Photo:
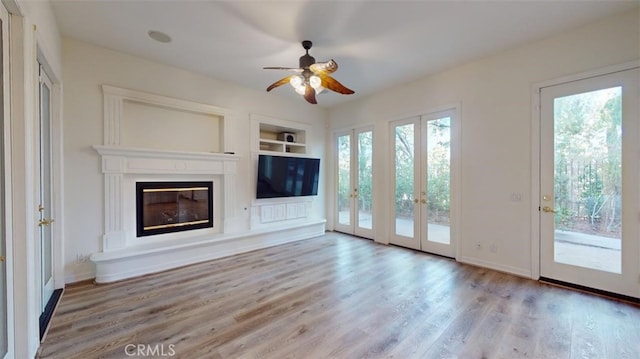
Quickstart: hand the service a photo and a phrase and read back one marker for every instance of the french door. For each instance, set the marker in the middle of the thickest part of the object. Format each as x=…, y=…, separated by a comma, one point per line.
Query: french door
x=354, y=202
x=45, y=178
x=589, y=182
x=422, y=177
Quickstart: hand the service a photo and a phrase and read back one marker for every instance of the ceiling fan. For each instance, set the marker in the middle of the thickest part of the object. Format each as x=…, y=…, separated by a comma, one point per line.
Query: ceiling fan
x=312, y=77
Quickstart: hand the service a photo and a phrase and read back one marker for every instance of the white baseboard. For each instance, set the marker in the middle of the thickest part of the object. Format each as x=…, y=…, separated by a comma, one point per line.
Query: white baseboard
x=500, y=268
x=78, y=277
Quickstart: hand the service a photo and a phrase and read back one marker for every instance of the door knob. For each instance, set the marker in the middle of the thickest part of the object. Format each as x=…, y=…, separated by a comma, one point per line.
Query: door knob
x=415, y=200
x=423, y=201
x=548, y=209
x=2, y=259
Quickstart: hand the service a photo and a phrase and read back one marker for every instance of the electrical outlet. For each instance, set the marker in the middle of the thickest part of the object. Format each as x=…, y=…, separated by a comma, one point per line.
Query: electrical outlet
x=493, y=248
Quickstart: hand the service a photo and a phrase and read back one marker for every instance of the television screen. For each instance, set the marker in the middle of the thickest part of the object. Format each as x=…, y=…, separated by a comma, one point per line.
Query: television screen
x=281, y=176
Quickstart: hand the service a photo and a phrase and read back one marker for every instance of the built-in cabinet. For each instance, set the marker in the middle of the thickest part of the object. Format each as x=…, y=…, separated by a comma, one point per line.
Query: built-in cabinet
x=278, y=137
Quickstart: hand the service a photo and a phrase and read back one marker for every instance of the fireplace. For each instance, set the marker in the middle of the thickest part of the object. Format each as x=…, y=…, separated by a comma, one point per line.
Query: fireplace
x=167, y=207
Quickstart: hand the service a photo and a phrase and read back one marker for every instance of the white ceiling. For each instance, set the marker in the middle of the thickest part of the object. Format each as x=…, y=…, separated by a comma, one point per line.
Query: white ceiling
x=377, y=44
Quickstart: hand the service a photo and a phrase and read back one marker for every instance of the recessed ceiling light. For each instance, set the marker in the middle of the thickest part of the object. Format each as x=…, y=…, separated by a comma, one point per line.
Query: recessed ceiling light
x=159, y=36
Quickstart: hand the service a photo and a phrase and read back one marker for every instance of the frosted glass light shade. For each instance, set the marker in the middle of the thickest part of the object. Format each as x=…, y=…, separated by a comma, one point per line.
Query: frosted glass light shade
x=315, y=82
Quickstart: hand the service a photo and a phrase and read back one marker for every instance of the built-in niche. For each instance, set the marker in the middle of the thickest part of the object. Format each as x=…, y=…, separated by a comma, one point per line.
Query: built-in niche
x=147, y=125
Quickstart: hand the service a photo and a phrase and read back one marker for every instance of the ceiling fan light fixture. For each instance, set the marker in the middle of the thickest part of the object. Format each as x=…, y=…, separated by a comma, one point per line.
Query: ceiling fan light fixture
x=315, y=82
x=300, y=90
x=311, y=77
x=296, y=81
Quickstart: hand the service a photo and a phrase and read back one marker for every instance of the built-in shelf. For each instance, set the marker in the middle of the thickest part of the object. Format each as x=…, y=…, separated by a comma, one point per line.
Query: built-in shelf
x=282, y=146
x=280, y=136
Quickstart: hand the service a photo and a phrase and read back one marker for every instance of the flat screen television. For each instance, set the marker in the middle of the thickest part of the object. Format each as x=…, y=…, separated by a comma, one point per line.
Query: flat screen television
x=283, y=176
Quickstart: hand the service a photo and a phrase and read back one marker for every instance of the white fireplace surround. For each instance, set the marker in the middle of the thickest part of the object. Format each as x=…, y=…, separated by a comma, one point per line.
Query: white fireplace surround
x=122, y=167
x=123, y=254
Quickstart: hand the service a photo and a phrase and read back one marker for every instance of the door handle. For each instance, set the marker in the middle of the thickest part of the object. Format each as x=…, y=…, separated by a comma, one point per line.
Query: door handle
x=45, y=222
x=423, y=201
x=2, y=259
x=548, y=209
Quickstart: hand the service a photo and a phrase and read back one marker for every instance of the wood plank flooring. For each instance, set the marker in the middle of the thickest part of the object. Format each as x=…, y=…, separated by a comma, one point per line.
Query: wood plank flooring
x=338, y=296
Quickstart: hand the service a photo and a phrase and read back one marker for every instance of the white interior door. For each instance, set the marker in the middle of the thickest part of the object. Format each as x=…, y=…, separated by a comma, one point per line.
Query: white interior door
x=354, y=202
x=45, y=243
x=422, y=183
x=4, y=119
x=589, y=182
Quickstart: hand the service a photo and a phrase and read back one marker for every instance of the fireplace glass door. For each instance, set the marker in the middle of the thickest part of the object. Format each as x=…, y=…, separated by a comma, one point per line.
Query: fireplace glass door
x=166, y=207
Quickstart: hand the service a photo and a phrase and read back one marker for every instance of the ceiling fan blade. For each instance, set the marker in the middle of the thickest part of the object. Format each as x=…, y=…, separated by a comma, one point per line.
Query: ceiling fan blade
x=294, y=69
x=324, y=67
x=282, y=81
x=310, y=94
x=333, y=85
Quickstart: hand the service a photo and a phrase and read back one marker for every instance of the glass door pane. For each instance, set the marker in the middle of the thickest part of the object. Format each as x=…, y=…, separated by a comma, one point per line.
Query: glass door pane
x=588, y=179
x=45, y=182
x=438, y=193
x=365, y=179
x=344, y=180
x=404, y=180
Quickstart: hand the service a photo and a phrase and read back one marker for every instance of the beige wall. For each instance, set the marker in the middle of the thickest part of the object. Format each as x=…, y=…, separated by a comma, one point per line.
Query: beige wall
x=494, y=95
x=86, y=67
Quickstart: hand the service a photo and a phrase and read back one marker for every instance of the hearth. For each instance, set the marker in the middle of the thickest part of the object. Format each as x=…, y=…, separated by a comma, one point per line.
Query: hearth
x=167, y=207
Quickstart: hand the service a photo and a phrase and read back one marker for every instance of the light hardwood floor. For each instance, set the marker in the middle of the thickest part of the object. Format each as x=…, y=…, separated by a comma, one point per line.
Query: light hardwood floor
x=338, y=296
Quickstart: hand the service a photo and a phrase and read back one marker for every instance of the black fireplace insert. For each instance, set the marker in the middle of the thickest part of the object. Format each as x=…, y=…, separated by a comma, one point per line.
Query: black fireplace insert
x=167, y=207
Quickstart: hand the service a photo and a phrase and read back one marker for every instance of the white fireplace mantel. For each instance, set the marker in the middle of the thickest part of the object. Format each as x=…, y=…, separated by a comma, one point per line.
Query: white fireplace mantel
x=121, y=160
x=118, y=162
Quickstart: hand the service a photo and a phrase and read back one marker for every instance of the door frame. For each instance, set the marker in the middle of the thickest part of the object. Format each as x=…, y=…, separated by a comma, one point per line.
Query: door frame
x=45, y=289
x=6, y=198
x=57, y=166
x=536, y=119
x=56, y=151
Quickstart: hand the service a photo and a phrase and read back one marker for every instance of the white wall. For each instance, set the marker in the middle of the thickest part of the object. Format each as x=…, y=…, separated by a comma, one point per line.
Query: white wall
x=86, y=67
x=41, y=15
x=494, y=94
